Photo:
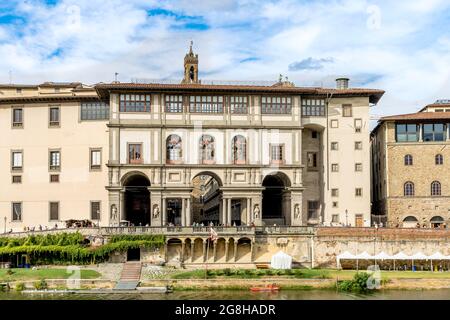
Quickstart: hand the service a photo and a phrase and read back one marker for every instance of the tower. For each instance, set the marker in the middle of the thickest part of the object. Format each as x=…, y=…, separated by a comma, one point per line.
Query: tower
x=190, y=67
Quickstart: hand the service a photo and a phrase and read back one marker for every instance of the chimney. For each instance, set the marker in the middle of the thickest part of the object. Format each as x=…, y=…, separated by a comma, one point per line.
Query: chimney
x=342, y=83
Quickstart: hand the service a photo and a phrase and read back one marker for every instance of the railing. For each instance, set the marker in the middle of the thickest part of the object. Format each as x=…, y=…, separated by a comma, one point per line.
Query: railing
x=285, y=230
x=176, y=230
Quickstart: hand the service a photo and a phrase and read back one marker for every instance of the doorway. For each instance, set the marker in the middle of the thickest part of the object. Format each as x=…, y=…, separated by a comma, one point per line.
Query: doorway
x=134, y=254
x=137, y=200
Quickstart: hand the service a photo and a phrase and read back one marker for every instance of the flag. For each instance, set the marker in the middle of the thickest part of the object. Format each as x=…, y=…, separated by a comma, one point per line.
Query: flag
x=213, y=234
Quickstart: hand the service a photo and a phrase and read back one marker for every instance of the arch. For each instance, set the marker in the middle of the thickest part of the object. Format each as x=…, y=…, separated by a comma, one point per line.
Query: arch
x=408, y=160
x=239, y=149
x=132, y=174
x=244, y=249
x=276, y=198
x=137, y=198
x=174, y=150
x=198, y=249
x=439, y=159
x=206, y=199
x=207, y=149
x=410, y=222
x=408, y=189
x=435, y=188
x=436, y=221
x=410, y=219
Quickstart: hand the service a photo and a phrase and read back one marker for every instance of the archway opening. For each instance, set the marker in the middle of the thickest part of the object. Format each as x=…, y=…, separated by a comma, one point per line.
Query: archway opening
x=437, y=222
x=206, y=198
x=410, y=222
x=174, y=207
x=137, y=200
x=275, y=199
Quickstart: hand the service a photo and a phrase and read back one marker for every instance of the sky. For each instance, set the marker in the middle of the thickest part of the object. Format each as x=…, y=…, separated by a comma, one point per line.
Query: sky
x=402, y=47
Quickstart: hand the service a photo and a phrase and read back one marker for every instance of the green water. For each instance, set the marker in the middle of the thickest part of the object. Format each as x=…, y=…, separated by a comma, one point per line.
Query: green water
x=441, y=294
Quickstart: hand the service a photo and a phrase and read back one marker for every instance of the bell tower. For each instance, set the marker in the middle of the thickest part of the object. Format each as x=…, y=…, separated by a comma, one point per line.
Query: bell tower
x=190, y=67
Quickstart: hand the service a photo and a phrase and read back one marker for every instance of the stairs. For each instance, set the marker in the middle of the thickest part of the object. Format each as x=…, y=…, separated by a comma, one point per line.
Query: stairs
x=130, y=277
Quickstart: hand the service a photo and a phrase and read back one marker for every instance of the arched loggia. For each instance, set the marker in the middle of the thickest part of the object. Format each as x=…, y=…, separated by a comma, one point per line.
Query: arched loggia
x=137, y=200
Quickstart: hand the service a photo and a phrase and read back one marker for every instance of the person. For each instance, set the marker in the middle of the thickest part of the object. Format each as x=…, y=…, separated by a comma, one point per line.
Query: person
x=381, y=224
x=40, y=228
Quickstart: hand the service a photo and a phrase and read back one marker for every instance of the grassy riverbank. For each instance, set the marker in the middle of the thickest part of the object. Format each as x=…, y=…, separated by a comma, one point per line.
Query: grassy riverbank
x=7, y=275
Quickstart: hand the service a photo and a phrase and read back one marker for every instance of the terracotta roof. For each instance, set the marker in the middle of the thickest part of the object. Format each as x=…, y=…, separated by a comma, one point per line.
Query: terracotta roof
x=418, y=116
x=104, y=89
x=436, y=105
x=55, y=98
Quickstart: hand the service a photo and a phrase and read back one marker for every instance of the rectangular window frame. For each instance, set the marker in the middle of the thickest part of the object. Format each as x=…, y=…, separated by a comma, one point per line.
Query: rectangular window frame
x=313, y=211
x=334, y=123
x=358, y=167
x=54, y=123
x=315, y=161
x=277, y=105
x=358, y=192
x=313, y=107
x=335, y=192
x=358, y=122
x=93, y=167
x=347, y=110
x=99, y=209
x=94, y=111
x=54, y=168
x=206, y=104
x=16, y=168
x=16, y=176
x=129, y=104
x=238, y=104
x=434, y=132
x=134, y=161
x=50, y=203
x=409, y=134
x=12, y=211
x=53, y=175
x=174, y=103
x=333, y=166
x=280, y=152
x=358, y=145
x=334, y=146
x=17, y=124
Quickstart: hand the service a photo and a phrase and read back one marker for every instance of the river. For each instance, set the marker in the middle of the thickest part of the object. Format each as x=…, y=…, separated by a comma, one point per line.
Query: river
x=439, y=294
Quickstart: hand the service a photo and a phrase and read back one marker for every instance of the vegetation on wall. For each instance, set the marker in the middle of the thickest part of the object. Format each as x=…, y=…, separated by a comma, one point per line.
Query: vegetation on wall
x=64, y=248
x=357, y=285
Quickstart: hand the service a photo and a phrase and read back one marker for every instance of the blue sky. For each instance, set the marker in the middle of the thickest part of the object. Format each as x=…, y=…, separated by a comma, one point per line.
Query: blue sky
x=402, y=47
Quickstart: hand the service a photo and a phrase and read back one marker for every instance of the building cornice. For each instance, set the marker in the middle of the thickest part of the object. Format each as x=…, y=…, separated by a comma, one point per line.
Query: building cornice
x=47, y=98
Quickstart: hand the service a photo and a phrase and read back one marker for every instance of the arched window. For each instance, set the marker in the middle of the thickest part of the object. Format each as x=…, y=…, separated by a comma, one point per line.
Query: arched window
x=174, y=149
x=207, y=149
x=408, y=189
x=408, y=160
x=435, y=188
x=439, y=159
x=239, y=149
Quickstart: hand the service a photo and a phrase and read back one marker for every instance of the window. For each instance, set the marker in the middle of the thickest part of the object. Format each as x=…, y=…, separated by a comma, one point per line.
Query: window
x=313, y=210
x=16, y=179
x=439, y=110
x=207, y=149
x=276, y=153
x=313, y=107
x=55, y=160
x=95, y=210
x=206, y=104
x=173, y=149
x=439, y=159
x=54, y=117
x=334, y=123
x=19, y=90
x=335, y=218
x=54, y=178
x=334, y=167
x=238, y=104
x=347, y=110
x=16, y=160
x=134, y=102
x=174, y=103
x=135, y=153
x=54, y=211
x=95, y=159
x=358, y=125
x=358, y=166
x=335, y=204
x=358, y=145
x=17, y=117
x=334, y=146
x=406, y=132
x=276, y=105
x=408, y=160
x=435, y=188
x=358, y=192
x=312, y=160
x=314, y=135
x=94, y=111
x=408, y=189
x=434, y=132
x=16, y=211
x=334, y=192
x=239, y=149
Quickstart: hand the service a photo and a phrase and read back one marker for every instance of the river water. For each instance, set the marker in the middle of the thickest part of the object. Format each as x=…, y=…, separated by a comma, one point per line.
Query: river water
x=440, y=294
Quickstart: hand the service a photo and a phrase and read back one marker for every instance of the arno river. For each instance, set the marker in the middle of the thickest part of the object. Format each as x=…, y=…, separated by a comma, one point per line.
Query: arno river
x=440, y=294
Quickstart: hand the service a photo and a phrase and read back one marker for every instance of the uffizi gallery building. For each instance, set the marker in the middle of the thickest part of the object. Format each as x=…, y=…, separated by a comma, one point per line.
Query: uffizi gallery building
x=157, y=154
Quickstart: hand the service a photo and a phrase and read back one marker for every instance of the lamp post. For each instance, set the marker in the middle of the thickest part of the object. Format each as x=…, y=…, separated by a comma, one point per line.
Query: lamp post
x=346, y=217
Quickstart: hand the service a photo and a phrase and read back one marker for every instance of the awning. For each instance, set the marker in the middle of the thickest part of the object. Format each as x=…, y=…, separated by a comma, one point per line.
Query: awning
x=281, y=260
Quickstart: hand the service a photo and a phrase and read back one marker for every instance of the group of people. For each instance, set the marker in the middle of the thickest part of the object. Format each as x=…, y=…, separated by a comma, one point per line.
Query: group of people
x=39, y=228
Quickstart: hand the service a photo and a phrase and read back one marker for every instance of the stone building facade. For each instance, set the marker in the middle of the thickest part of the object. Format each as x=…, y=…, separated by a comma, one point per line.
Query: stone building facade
x=410, y=172
x=278, y=154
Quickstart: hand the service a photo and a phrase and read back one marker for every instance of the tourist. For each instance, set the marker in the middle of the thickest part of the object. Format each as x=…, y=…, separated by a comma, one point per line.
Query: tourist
x=40, y=228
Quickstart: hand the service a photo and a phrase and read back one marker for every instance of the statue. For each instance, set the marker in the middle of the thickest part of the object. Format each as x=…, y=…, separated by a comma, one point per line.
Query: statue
x=113, y=212
x=155, y=211
x=256, y=211
x=297, y=211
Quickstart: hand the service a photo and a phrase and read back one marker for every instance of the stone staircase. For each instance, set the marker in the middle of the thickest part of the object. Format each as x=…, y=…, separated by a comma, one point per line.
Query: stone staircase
x=130, y=277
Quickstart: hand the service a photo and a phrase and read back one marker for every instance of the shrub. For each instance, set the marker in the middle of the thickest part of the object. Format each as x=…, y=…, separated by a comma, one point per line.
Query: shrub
x=41, y=285
x=357, y=285
x=9, y=272
x=20, y=286
x=227, y=272
x=288, y=272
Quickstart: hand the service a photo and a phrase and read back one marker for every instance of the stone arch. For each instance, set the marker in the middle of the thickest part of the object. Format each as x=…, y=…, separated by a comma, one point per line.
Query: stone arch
x=244, y=249
x=436, y=221
x=174, y=246
x=136, y=198
x=206, y=195
x=131, y=174
x=276, y=200
x=220, y=249
x=410, y=222
x=174, y=149
x=198, y=250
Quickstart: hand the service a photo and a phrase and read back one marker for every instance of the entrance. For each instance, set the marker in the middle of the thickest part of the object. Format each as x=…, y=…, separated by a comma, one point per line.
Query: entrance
x=134, y=254
x=274, y=199
x=137, y=200
x=206, y=199
x=174, y=211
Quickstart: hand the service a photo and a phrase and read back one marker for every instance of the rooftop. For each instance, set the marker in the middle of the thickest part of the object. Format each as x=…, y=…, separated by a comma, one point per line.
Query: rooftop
x=418, y=116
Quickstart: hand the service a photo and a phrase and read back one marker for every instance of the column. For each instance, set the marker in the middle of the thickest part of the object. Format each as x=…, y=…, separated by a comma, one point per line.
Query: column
x=183, y=213
x=229, y=212
x=192, y=250
x=122, y=205
x=164, y=212
x=248, y=210
x=227, y=242
x=188, y=212
x=204, y=250
x=251, y=251
x=182, y=250
x=235, y=249
x=224, y=210
x=214, y=250
x=165, y=252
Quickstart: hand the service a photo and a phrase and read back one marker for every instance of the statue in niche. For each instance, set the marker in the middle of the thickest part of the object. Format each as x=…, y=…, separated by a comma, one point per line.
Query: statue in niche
x=113, y=212
x=155, y=211
x=256, y=211
x=297, y=211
